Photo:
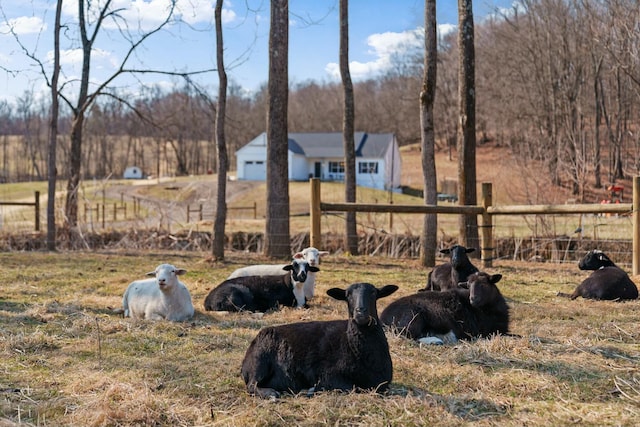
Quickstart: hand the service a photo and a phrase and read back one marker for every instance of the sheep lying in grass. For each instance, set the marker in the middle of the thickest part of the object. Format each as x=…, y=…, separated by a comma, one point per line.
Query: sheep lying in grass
x=607, y=282
x=310, y=254
x=479, y=310
x=163, y=297
x=262, y=293
x=330, y=355
x=448, y=275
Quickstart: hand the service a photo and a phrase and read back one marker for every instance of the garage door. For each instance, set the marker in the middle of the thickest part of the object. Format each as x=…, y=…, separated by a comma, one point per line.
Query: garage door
x=255, y=171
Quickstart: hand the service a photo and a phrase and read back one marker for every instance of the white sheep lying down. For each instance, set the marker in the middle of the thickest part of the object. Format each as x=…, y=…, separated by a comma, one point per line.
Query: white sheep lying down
x=163, y=297
x=310, y=254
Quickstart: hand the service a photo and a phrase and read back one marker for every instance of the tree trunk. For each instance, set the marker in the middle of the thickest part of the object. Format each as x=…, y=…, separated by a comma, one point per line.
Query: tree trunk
x=427, y=101
x=597, y=161
x=75, y=160
x=348, y=128
x=277, y=238
x=467, y=195
x=221, y=202
x=53, y=134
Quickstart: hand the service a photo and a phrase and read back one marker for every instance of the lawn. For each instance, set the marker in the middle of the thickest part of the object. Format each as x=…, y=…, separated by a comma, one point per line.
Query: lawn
x=65, y=359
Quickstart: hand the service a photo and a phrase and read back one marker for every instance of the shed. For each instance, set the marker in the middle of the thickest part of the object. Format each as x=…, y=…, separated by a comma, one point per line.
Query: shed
x=133, y=172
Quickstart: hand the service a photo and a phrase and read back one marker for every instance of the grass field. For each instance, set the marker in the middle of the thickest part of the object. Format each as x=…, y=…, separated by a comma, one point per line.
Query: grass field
x=66, y=360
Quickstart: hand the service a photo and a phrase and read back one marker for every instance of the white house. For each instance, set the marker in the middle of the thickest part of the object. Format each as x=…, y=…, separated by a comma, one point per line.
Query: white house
x=321, y=155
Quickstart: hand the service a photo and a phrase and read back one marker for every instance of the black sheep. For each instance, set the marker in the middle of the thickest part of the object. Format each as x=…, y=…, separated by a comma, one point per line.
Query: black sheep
x=478, y=311
x=262, y=293
x=342, y=355
x=448, y=275
x=607, y=282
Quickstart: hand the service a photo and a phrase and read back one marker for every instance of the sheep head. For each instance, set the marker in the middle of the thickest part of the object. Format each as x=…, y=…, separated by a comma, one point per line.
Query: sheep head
x=594, y=260
x=482, y=288
x=458, y=254
x=299, y=269
x=166, y=274
x=361, y=301
x=311, y=255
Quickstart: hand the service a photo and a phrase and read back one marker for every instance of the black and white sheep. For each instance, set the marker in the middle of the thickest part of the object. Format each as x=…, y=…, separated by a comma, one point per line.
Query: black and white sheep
x=310, y=254
x=163, y=297
x=448, y=275
x=262, y=293
x=607, y=282
x=342, y=355
x=476, y=310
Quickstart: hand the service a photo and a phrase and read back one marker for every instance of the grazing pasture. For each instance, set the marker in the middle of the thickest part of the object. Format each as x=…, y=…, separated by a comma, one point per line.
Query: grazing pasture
x=65, y=359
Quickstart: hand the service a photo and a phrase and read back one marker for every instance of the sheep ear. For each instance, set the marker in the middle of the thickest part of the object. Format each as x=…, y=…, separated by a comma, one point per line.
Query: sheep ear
x=469, y=250
x=314, y=269
x=445, y=251
x=337, y=293
x=495, y=278
x=463, y=285
x=288, y=267
x=323, y=253
x=151, y=273
x=298, y=255
x=180, y=271
x=386, y=290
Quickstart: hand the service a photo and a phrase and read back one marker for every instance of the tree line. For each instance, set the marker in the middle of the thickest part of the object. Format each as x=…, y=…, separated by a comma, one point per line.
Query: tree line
x=556, y=81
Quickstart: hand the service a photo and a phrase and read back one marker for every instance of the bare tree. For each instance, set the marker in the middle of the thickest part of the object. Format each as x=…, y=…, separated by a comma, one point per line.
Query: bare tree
x=467, y=195
x=277, y=237
x=88, y=36
x=348, y=129
x=427, y=101
x=221, y=201
x=53, y=134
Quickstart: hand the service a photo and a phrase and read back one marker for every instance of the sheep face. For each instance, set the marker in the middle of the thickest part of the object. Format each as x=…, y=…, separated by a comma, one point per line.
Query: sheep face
x=166, y=274
x=595, y=260
x=361, y=301
x=300, y=269
x=458, y=255
x=482, y=288
x=311, y=255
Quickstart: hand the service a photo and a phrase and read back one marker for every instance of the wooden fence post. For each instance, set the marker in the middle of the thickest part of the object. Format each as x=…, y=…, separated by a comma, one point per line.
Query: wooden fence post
x=486, y=226
x=37, y=203
x=315, y=214
x=636, y=226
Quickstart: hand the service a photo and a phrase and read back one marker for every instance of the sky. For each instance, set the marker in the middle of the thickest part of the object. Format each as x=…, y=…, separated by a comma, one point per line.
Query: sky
x=377, y=30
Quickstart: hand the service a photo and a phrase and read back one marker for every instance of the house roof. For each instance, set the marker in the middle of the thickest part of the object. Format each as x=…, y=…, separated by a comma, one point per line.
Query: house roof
x=330, y=145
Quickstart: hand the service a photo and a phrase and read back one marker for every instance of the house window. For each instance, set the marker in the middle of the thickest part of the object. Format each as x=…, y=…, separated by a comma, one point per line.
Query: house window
x=368, y=167
x=336, y=167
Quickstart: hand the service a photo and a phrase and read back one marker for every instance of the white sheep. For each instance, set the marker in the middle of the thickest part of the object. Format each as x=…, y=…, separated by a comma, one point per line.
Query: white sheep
x=163, y=297
x=310, y=254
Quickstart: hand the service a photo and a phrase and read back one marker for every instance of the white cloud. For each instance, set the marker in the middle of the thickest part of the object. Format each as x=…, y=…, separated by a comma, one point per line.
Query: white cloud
x=23, y=25
x=444, y=29
x=383, y=47
x=73, y=57
x=196, y=11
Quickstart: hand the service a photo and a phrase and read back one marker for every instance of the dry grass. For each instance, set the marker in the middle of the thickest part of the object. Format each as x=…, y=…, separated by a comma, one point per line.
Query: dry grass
x=65, y=360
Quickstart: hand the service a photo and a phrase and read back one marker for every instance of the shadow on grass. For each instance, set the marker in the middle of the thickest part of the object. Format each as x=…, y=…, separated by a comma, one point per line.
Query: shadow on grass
x=465, y=408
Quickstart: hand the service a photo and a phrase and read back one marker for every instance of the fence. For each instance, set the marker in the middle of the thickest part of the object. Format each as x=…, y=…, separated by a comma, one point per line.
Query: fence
x=485, y=210
x=35, y=204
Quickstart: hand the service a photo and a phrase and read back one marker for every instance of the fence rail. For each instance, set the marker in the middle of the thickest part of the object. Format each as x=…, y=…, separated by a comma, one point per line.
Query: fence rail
x=485, y=210
x=35, y=204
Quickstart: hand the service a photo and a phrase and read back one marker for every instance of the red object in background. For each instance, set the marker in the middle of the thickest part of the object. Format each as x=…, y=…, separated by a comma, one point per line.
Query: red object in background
x=616, y=191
